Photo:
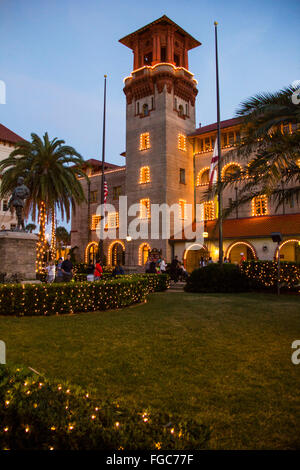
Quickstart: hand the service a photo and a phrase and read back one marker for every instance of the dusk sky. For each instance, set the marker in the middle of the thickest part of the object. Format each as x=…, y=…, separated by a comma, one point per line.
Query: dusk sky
x=54, y=54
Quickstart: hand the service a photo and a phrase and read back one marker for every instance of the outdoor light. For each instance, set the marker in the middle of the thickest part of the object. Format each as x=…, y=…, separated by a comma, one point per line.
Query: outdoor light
x=277, y=238
x=128, y=238
x=205, y=234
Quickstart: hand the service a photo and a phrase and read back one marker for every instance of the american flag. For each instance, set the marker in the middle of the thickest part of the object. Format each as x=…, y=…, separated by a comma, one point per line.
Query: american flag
x=214, y=165
x=105, y=188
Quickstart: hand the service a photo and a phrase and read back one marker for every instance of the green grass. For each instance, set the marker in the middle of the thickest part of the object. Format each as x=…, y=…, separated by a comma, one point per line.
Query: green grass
x=225, y=359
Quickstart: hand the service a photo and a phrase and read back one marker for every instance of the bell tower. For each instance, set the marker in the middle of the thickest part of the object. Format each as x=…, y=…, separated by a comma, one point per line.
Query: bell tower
x=160, y=113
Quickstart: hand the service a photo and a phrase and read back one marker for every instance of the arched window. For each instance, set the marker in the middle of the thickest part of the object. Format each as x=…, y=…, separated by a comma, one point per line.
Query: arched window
x=231, y=170
x=203, y=177
x=143, y=253
x=145, y=175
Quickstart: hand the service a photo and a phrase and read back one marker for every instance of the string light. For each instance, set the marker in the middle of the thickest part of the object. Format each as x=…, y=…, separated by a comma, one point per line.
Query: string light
x=41, y=244
x=144, y=141
x=144, y=175
x=182, y=142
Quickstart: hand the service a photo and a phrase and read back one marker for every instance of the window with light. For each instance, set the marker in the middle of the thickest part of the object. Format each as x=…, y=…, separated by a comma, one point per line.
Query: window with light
x=145, y=141
x=182, y=142
x=145, y=208
x=145, y=175
x=259, y=206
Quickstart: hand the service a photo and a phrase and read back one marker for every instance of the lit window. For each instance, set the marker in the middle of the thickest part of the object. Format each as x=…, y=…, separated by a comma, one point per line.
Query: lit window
x=94, y=195
x=182, y=209
x=145, y=141
x=145, y=175
x=145, y=208
x=182, y=142
x=95, y=221
x=231, y=170
x=209, y=210
x=203, y=177
x=112, y=220
x=259, y=205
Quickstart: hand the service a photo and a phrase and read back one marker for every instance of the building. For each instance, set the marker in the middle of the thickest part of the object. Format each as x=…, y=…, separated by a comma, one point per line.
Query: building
x=167, y=162
x=8, y=139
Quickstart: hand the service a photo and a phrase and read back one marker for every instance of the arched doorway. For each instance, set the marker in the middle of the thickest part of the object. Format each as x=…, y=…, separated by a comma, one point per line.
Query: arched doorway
x=233, y=252
x=116, y=253
x=289, y=251
x=192, y=256
x=143, y=253
x=91, y=253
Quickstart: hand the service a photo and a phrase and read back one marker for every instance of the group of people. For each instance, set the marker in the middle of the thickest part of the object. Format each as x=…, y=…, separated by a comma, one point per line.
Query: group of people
x=158, y=266
x=177, y=270
x=63, y=272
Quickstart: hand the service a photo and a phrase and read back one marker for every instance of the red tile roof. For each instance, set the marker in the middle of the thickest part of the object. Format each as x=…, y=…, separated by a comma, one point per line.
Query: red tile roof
x=98, y=164
x=255, y=227
x=213, y=127
x=251, y=227
x=9, y=136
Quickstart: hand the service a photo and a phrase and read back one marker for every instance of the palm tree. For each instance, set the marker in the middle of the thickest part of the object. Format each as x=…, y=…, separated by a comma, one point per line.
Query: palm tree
x=270, y=129
x=51, y=170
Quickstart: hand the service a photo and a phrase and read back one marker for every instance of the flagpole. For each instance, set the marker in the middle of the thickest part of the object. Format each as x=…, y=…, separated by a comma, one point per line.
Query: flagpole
x=220, y=208
x=100, y=245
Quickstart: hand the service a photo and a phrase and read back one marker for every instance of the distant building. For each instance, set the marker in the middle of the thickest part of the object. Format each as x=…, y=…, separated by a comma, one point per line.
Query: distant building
x=167, y=161
x=8, y=140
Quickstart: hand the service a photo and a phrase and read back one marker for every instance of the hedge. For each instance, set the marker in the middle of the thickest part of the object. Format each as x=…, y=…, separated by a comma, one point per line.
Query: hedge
x=217, y=278
x=41, y=414
x=263, y=274
x=72, y=297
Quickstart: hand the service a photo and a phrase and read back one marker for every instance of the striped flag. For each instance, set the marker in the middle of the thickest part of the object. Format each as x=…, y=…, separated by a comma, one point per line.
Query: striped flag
x=105, y=190
x=214, y=165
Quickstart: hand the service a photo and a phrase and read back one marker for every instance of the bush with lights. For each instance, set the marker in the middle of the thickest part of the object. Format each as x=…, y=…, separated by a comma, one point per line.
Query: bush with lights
x=71, y=297
x=41, y=414
x=217, y=278
x=264, y=274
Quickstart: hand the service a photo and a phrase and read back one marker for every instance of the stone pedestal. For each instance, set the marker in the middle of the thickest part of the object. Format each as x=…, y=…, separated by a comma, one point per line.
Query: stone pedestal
x=18, y=253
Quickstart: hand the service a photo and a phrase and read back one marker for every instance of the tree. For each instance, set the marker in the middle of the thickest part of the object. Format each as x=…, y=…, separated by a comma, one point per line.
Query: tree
x=51, y=170
x=270, y=131
x=30, y=227
x=62, y=235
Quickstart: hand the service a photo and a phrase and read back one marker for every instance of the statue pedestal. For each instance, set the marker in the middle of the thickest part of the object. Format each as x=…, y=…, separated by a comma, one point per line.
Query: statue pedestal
x=18, y=253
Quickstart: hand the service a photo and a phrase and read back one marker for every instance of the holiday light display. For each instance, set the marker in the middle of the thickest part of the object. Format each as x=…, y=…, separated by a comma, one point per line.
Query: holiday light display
x=145, y=141
x=41, y=244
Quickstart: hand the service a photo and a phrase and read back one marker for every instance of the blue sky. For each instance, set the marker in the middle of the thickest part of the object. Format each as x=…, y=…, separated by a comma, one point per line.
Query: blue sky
x=54, y=55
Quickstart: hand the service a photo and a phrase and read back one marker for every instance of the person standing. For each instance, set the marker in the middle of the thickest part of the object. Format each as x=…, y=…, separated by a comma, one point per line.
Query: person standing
x=163, y=266
x=67, y=269
x=90, y=272
x=98, y=271
x=51, y=272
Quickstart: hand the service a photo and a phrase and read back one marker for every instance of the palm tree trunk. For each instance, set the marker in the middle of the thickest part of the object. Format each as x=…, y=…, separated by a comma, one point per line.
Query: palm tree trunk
x=53, y=236
x=41, y=244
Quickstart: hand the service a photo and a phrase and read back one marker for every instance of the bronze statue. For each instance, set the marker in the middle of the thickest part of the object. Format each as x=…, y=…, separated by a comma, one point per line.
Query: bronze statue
x=17, y=201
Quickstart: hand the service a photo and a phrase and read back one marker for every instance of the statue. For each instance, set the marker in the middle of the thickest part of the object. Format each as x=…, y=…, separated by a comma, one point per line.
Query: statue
x=17, y=201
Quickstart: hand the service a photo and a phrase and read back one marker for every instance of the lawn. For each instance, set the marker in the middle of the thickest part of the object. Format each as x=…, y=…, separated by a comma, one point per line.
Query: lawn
x=223, y=359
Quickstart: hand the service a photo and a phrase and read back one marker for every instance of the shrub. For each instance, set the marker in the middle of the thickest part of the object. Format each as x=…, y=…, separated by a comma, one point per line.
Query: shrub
x=263, y=274
x=71, y=297
x=43, y=414
x=217, y=278
x=74, y=297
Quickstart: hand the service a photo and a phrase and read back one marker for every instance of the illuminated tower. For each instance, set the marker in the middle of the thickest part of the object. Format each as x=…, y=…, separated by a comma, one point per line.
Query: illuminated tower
x=160, y=112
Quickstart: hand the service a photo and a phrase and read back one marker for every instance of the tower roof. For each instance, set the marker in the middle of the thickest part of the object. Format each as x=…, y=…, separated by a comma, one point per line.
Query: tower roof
x=163, y=20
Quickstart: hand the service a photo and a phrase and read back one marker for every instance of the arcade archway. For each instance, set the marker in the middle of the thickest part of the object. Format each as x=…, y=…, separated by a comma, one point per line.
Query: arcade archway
x=289, y=250
x=233, y=252
x=193, y=255
x=116, y=253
